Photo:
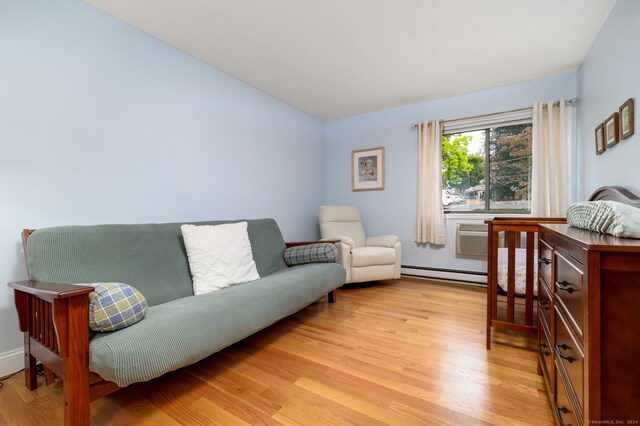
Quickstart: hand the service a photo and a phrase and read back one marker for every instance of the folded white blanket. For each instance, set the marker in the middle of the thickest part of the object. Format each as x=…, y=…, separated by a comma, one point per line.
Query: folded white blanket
x=607, y=217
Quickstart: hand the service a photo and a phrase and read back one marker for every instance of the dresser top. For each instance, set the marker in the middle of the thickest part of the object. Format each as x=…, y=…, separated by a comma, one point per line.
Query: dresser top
x=593, y=240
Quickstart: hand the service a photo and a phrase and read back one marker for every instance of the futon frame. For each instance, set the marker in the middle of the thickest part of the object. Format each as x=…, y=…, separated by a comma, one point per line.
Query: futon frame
x=55, y=321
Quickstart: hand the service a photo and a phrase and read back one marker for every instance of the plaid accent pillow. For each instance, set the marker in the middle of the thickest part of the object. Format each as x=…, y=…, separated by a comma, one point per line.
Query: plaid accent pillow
x=113, y=306
x=310, y=253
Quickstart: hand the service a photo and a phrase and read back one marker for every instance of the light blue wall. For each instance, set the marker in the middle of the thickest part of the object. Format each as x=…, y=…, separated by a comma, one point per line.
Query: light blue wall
x=393, y=211
x=608, y=76
x=101, y=123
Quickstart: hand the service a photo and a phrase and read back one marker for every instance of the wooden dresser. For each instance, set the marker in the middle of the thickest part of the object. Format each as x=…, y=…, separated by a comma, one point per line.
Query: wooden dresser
x=589, y=325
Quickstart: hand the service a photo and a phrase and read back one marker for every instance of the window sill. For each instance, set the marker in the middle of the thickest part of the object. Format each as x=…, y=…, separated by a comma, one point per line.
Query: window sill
x=482, y=216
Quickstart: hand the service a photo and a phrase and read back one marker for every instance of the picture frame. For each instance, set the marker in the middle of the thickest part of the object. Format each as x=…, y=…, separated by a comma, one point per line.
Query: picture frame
x=612, y=130
x=626, y=119
x=600, y=145
x=367, y=169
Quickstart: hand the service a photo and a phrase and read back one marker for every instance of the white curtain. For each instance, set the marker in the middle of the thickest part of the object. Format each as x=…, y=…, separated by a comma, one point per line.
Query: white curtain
x=552, y=159
x=430, y=223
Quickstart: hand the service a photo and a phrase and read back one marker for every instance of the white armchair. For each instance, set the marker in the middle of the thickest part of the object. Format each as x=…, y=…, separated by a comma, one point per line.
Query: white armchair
x=365, y=259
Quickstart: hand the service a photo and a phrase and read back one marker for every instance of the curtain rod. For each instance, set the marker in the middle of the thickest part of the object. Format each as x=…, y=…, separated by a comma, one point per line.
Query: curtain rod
x=568, y=102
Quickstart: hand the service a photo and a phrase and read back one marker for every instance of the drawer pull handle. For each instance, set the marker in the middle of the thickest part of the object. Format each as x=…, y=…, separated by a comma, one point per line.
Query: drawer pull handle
x=564, y=286
x=564, y=347
x=545, y=260
x=565, y=411
x=544, y=305
x=541, y=347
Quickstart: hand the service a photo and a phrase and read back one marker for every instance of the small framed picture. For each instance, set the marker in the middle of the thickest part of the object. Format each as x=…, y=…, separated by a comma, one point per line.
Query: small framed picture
x=611, y=130
x=367, y=169
x=626, y=119
x=600, y=146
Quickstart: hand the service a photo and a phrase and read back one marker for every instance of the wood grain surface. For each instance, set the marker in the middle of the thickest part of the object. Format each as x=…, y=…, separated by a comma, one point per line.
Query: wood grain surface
x=405, y=352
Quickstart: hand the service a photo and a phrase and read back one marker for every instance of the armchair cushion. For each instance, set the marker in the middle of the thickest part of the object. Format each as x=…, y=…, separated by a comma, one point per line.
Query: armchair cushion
x=342, y=220
x=383, y=241
x=310, y=253
x=369, y=256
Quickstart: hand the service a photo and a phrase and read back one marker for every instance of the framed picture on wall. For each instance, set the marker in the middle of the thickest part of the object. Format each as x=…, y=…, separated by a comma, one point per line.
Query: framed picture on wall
x=600, y=147
x=611, y=130
x=367, y=169
x=626, y=119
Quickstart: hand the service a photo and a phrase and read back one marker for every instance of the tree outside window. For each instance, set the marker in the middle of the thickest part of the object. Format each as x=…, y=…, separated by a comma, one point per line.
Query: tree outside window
x=500, y=156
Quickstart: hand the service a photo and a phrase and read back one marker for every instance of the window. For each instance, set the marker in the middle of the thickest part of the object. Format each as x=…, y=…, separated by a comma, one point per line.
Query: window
x=487, y=169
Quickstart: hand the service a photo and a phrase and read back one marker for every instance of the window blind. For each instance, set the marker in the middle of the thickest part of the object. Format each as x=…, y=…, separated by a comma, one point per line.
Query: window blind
x=509, y=118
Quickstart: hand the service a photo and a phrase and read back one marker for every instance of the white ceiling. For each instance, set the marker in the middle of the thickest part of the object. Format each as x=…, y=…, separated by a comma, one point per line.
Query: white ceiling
x=338, y=58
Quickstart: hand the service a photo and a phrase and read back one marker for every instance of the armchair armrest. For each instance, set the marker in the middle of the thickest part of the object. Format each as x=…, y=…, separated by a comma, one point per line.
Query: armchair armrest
x=383, y=241
x=341, y=238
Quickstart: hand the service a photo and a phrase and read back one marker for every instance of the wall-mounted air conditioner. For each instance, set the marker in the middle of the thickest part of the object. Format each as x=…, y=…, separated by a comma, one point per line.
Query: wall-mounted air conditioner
x=471, y=239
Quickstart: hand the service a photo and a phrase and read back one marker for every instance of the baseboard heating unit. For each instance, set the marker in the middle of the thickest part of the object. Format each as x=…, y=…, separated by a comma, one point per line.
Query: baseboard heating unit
x=471, y=277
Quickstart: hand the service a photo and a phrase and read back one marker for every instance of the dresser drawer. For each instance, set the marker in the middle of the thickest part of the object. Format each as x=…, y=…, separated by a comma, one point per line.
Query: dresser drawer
x=569, y=357
x=544, y=304
x=544, y=260
x=545, y=353
x=563, y=410
x=568, y=288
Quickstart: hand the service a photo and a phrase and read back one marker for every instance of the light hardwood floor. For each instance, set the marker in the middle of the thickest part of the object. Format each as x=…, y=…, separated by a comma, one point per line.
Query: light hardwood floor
x=403, y=352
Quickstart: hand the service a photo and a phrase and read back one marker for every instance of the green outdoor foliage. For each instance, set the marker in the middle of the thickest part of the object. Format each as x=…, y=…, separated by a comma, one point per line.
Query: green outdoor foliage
x=510, y=166
x=460, y=170
x=476, y=176
x=510, y=163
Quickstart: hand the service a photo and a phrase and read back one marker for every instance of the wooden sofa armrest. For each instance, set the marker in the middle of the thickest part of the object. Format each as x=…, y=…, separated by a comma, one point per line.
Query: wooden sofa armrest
x=305, y=243
x=55, y=322
x=39, y=302
x=50, y=291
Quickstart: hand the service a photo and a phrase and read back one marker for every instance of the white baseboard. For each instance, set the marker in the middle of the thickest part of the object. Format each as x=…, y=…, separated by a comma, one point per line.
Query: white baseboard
x=11, y=362
x=460, y=276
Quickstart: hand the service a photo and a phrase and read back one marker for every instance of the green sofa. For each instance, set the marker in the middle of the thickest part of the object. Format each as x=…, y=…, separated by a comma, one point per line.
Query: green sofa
x=179, y=328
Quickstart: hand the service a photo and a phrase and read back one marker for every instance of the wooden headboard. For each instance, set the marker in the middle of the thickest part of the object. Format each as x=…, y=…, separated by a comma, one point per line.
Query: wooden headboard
x=616, y=193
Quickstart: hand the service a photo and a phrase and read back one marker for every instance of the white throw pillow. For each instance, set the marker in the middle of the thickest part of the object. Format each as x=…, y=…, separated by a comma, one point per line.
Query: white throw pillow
x=219, y=256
